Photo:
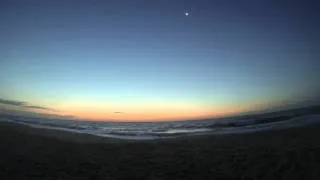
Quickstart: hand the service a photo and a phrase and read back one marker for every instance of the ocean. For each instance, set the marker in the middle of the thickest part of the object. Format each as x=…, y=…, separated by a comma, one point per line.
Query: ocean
x=160, y=130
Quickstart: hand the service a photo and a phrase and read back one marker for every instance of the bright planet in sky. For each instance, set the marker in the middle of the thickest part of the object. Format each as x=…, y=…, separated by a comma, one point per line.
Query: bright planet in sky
x=186, y=13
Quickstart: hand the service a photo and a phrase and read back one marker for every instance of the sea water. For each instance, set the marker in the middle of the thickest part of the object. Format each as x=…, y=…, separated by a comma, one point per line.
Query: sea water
x=160, y=130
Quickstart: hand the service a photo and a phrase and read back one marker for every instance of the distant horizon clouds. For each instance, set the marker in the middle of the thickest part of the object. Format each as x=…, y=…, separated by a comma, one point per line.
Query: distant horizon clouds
x=24, y=104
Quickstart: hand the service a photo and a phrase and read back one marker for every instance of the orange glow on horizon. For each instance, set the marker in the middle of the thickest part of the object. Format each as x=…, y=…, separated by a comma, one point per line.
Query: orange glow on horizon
x=151, y=114
x=145, y=111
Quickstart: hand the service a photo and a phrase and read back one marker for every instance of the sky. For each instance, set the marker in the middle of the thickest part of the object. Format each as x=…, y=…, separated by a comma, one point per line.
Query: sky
x=145, y=60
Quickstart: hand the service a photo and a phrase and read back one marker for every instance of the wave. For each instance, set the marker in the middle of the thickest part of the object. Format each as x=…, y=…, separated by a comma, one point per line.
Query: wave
x=151, y=131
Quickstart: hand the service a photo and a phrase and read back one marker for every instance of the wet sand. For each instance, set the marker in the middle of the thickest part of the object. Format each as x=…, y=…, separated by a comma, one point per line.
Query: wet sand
x=30, y=153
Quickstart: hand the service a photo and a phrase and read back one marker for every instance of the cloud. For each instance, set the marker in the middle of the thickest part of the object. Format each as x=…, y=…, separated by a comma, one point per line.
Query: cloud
x=13, y=103
x=118, y=112
x=23, y=104
x=39, y=107
x=4, y=111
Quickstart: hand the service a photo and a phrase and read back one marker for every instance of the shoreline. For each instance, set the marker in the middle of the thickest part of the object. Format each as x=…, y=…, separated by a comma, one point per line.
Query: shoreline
x=33, y=153
x=77, y=136
x=273, y=126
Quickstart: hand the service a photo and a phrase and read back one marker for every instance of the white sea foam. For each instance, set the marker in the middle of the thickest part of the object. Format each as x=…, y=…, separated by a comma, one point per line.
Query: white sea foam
x=150, y=131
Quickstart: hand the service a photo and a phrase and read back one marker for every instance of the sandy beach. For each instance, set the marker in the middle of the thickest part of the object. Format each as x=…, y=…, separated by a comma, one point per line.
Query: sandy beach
x=30, y=153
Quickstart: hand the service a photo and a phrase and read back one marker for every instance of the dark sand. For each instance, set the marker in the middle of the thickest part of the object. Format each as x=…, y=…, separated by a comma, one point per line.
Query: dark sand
x=29, y=153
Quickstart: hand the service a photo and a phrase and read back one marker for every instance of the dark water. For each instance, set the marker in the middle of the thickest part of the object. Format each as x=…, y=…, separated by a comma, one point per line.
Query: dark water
x=155, y=130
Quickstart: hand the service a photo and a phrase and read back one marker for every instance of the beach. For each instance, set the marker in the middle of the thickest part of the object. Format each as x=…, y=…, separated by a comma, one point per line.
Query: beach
x=33, y=153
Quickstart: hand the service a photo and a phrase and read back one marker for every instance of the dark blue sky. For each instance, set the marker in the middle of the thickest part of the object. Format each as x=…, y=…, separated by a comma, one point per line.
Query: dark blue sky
x=145, y=57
